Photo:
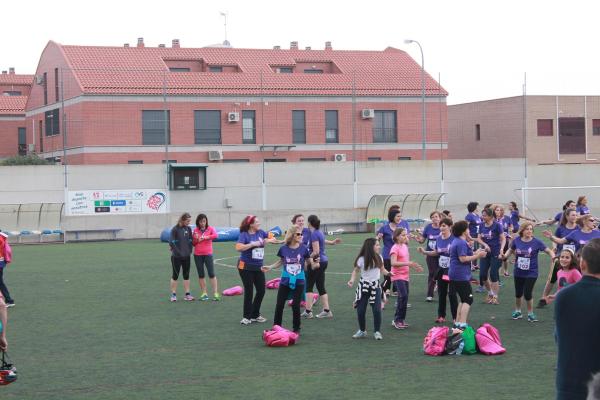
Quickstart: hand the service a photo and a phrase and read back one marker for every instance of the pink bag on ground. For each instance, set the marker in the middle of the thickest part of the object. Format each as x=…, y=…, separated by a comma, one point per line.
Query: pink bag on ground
x=233, y=291
x=303, y=303
x=273, y=283
x=488, y=340
x=434, y=343
x=279, y=337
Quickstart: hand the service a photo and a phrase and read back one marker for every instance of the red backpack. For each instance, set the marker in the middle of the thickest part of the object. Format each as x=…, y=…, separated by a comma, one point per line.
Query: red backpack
x=434, y=343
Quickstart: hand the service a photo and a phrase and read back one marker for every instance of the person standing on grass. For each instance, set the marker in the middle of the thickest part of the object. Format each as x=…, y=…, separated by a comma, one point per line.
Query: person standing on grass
x=181, y=249
x=442, y=251
x=3, y=263
x=459, y=271
x=581, y=206
x=369, y=264
x=568, y=224
x=203, y=237
x=505, y=222
x=491, y=237
x=429, y=236
x=401, y=264
x=516, y=217
x=577, y=333
x=316, y=275
x=526, y=248
x=568, y=273
x=569, y=205
x=295, y=258
x=386, y=232
x=251, y=245
x=578, y=237
x=474, y=220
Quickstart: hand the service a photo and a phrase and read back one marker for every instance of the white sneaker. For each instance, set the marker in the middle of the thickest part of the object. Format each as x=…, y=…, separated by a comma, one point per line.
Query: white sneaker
x=324, y=314
x=378, y=336
x=359, y=334
x=429, y=299
x=245, y=321
x=307, y=315
x=260, y=319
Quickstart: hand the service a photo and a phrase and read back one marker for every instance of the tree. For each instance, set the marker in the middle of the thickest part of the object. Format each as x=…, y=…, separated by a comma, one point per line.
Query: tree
x=30, y=159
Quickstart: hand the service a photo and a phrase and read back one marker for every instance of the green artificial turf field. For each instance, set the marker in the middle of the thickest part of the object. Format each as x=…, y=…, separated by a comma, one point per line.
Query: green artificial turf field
x=94, y=321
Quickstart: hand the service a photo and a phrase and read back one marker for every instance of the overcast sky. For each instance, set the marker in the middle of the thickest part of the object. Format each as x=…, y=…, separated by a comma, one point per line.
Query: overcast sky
x=481, y=49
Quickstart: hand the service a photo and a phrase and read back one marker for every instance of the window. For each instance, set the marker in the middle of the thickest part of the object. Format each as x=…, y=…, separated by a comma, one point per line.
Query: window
x=404, y=158
x=545, y=127
x=207, y=127
x=170, y=161
x=215, y=69
x=56, y=91
x=331, y=126
x=41, y=134
x=45, y=88
x=135, y=162
x=275, y=160
x=477, y=132
x=13, y=93
x=156, y=124
x=313, y=159
x=52, y=122
x=374, y=159
x=187, y=177
x=236, y=160
x=596, y=127
x=249, y=127
x=298, y=126
x=179, y=69
x=285, y=70
x=313, y=71
x=384, y=127
x=22, y=132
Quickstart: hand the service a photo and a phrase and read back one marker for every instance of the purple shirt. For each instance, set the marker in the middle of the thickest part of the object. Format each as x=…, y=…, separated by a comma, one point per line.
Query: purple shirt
x=459, y=271
x=252, y=259
x=293, y=264
x=306, y=237
x=430, y=234
x=561, y=232
x=317, y=236
x=583, y=210
x=505, y=223
x=526, y=256
x=580, y=238
x=387, y=234
x=558, y=216
x=474, y=221
x=514, y=220
x=491, y=236
x=442, y=247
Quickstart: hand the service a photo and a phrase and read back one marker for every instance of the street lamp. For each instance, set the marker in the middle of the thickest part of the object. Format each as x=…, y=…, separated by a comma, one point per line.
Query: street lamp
x=423, y=126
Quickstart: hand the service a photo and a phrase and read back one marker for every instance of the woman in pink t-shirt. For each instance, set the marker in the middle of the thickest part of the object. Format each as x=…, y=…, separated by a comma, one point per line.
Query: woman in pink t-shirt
x=568, y=273
x=202, y=239
x=401, y=264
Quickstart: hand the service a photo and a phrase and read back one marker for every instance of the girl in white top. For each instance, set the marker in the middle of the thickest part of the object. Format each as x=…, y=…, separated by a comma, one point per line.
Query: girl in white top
x=369, y=264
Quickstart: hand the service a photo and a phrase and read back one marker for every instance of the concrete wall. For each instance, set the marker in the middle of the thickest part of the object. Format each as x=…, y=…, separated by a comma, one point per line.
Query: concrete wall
x=323, y=188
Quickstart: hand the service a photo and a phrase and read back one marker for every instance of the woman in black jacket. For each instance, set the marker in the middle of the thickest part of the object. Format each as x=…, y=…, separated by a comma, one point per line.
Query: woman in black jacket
x=180, y=243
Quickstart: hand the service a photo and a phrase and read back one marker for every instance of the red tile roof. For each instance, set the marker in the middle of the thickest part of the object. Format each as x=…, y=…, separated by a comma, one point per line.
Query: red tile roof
x=12, y=105
x=16, y=79
x=133, y=70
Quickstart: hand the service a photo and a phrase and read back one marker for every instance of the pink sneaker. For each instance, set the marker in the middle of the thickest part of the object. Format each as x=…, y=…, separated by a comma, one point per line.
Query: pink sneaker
x=189, y=297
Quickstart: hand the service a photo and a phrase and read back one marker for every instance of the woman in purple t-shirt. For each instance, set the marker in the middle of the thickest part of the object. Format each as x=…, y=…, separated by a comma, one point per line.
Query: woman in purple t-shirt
x=569, y=205
x=507, y=226
x=386, y=232
x=578, y=238
x=428, y=236
x=582, y=208
x=491, y=237
x=526, y=249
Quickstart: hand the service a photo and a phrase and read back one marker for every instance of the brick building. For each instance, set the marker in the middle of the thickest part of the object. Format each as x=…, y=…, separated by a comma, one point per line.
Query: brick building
x=14, y=89
x=547, y=129
x=121, y=104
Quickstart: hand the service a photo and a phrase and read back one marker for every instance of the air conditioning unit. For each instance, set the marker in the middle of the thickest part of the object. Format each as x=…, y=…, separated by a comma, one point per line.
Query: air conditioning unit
x=367, y=113
x=30, y=147
x=233, y=117
x=339, y=157
x=215, y=155
x=39, y=79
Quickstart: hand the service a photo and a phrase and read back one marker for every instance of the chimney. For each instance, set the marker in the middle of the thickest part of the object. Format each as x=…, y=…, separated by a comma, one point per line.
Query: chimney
x=4, y=72
x=276, y=47
x=308, y=48
x=293, y=45
x=162, y=45
x=126, y=45
x=328, y=46
x=140, y=42
x=175, y=43
x=11, y=70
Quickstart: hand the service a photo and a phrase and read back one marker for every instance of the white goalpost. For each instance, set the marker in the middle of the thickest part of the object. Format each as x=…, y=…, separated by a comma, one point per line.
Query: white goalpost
x=543, y=201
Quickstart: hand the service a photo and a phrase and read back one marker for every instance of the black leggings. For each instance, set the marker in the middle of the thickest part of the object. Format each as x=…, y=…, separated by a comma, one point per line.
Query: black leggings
x=443, y=293
x=179, y=263
x=201, y=261
x=250, y=279
x=432, y=267
x=3, y=288
x=463, y=290
x=387, y=280
x=524, y=286
x=282, y=296
x=316, y=276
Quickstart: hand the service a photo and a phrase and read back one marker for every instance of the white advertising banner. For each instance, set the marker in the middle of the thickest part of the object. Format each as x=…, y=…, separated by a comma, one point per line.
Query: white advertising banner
x=110, y=202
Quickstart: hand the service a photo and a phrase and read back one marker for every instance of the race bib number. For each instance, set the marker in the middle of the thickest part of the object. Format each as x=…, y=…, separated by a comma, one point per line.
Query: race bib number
x=523, y=263
x=258, y=253
x=569, y=247
x=444, y=262
x=431, y=244
x=293, y=269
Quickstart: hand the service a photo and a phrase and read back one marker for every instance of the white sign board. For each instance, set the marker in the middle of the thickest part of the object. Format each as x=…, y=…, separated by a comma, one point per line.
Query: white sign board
x=110, y=202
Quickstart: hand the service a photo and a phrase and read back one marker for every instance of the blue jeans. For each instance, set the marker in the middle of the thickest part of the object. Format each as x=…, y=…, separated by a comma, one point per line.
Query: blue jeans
x=361, y=310
x=490, y=264
x=402, y=302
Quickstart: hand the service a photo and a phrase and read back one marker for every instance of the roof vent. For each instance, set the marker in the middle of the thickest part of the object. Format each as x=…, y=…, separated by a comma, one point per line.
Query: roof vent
x=328, y=46
x=293, y=45
x=308, y=48
x=162, y=45
x=175, y=43
x=11, y=70
x=140, y=42
x=126, y=45
x=4, y=72
x=276, y=47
